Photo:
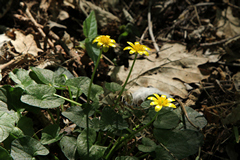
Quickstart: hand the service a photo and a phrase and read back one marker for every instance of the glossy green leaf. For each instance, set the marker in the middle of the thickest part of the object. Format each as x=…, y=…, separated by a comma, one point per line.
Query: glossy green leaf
x=163, y=154
x=47, y=77
x=26, y=125
x=195, y=117
x=83, y=83
x=4, y=155
x=148, y=145
x=50, y=134
x=7, y=123
x=41, y=96
x=182, y=143
x=113, y=87
x=96, y=152
x=76, y=115
x=82, y=142
x=69, y=147
x=27, y=148
x=166, y=120
x=90, y=26
x=92, y=50
x=17, y=132
x=126, y=158
x=21, y=78
x=110, y=120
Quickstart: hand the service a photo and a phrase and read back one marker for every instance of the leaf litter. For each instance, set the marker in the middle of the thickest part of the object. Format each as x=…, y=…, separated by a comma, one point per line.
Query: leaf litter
x=198, y=59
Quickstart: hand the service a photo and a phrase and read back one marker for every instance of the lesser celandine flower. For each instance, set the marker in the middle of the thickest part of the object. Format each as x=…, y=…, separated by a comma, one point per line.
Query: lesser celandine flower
x=162, y=101
x=137, y=48
x=105, y=41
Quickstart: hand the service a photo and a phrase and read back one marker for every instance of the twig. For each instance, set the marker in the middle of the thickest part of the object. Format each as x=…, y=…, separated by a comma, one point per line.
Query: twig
x=223, y=104
x=185, y=113
x=150, y=29
x=219, y=42
x=38, y=26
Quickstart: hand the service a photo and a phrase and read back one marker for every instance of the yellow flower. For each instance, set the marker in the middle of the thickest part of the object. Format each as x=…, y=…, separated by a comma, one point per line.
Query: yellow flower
x=160, y=102
x=104, y=41
x=137, y=48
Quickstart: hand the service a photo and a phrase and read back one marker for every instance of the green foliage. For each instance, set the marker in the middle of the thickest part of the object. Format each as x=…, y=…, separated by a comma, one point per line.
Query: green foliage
x=40, y=95
x=69, y=147
x=148, y=145
x=4, y=154
x=50, y=134
x=7, y=122
x=27, y=148
x=113, y=87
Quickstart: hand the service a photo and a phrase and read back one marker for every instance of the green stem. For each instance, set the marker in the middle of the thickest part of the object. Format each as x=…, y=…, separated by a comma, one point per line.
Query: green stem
x=53, y=120
x=129, y=136
x=88, y=96
x=69, y=100
x=120, y=94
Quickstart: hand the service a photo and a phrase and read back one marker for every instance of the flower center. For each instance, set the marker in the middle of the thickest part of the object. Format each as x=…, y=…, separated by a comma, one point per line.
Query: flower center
x=138, y=47
x=105, y=40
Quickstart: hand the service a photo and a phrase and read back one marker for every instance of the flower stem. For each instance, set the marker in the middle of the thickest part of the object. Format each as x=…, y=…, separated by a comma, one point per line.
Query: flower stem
x=120, y=94
x=88, y=96
x=129, y=137
x=69, y=100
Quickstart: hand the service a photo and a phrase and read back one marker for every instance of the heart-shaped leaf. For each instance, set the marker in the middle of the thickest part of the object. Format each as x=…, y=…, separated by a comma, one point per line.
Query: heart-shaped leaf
x=27, y=148
x=41, y=96
x=69, y=147
x=50, y=134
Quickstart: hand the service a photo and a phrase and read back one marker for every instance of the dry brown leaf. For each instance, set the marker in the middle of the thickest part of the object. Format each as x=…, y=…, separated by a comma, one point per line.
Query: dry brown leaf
x=168, y=73
x=25, y=44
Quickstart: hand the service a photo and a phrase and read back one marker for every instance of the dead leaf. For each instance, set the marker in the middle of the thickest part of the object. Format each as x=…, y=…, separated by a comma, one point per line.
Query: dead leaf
x=25, y=44
x=227, y=23
x=168, y=73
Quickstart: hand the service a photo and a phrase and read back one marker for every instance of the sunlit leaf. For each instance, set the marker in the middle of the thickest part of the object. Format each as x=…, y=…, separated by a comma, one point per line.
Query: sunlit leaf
x=27, y=148
x=7, y=123
x=69, y=147
x=41, y=96
x=90, y=26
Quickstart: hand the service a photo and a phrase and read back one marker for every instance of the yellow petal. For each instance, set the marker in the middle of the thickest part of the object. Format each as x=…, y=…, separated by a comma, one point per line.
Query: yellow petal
x=112, y=41
x=153, y=103
x=146, y=53
x=132, y=51
x=163, y=96
x=131, y=44
x=170, y=105
x=152, y=98
x=156, y=95
x=99, y=44
x=170, y=99
x=128, y=48
x=136, y=43
x=158, y=108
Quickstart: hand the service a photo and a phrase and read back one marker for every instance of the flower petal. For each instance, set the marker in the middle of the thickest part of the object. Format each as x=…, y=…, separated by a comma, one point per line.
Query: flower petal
x=128, y=47
x=153, y=103
x=170, y=105
x=158, y=108
x=170, y=99
x=131, y=44
x=156, y=95
x=146, y=53
x=132, y=51
x=163, y=96
x=152, y=98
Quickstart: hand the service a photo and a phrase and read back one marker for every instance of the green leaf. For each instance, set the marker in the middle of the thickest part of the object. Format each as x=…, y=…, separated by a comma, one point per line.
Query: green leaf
x=26, y=125
x=92, y=50
x=17, y=132
x=126, y=158
x=27, y=148
x=181, y=143
x=96, y=152
x=113, y=87
x=41, y=96
x=163, y=154
x=195, y=117
x=69, y=147
x=50, y=134
x=148, y=145
x=46, y=76
x=21, y=78
x=4, y=155
x=83, y=83
x=166, y=120
x=90, y=26
x=82, y=142
x=76, y=115
x=7, y=123
x=110, y=120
